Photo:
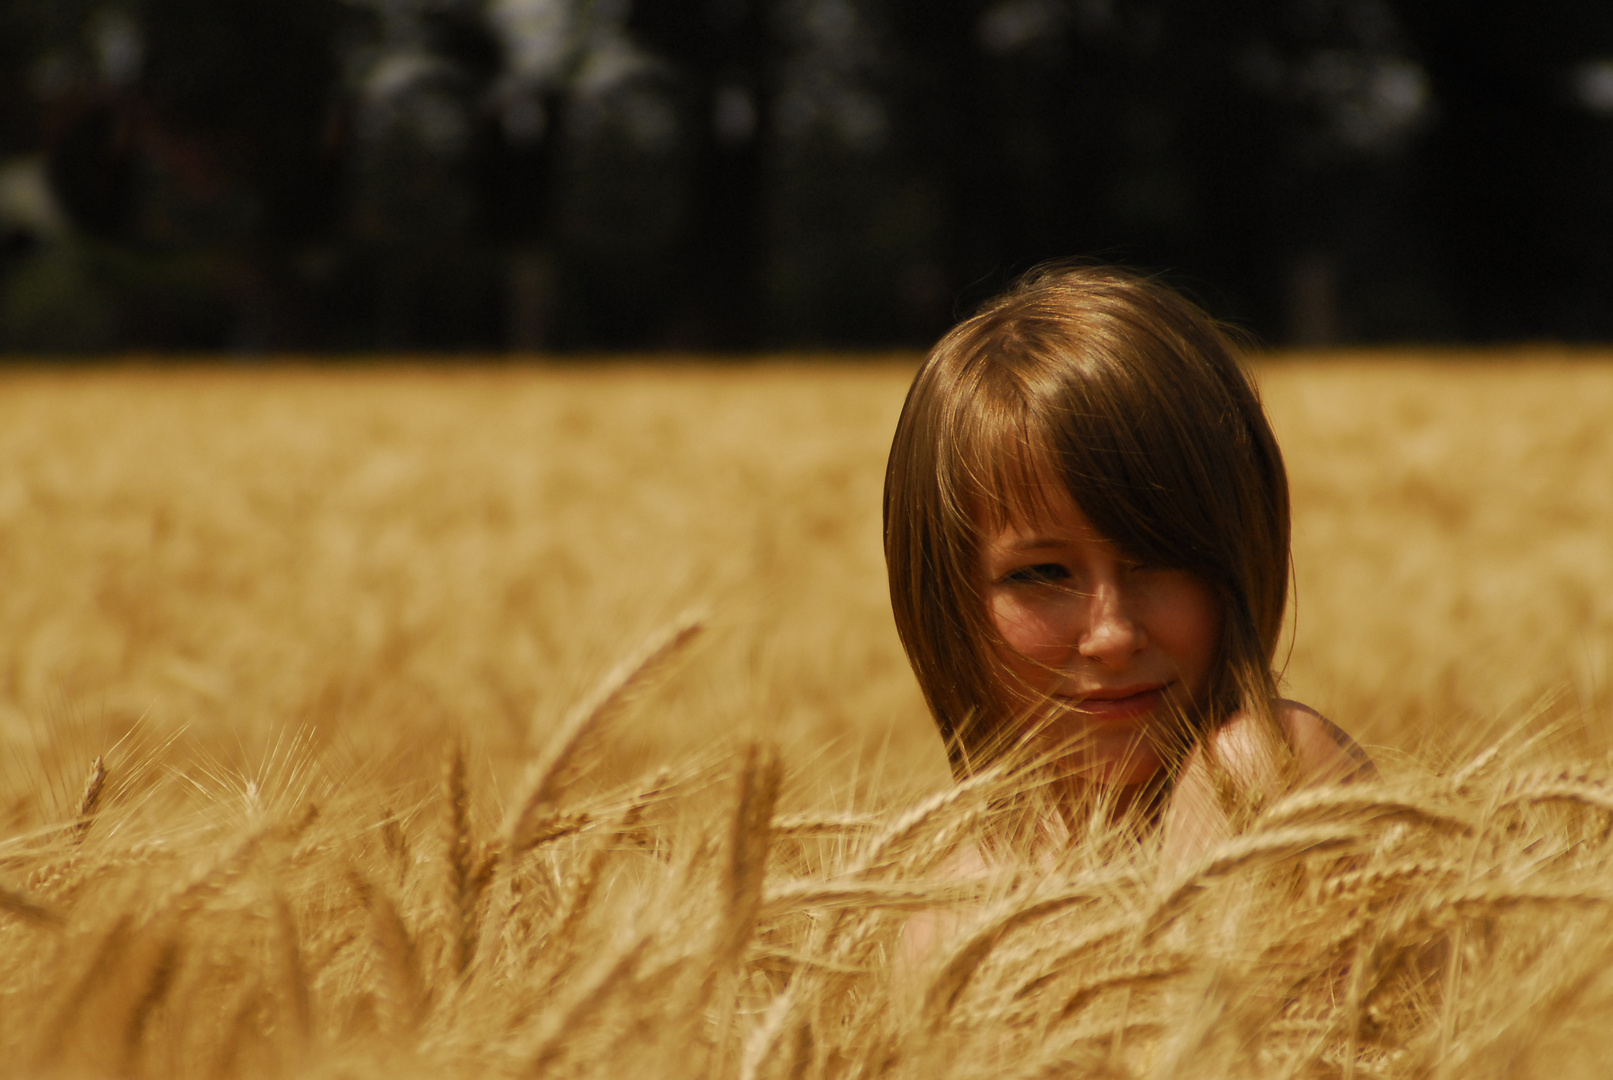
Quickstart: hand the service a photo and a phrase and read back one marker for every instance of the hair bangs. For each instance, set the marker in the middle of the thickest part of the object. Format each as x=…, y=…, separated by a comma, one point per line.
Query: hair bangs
x=1002, y=460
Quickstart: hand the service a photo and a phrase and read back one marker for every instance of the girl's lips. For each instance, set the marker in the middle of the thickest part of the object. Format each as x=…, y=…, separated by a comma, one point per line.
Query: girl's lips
x=1121, y=704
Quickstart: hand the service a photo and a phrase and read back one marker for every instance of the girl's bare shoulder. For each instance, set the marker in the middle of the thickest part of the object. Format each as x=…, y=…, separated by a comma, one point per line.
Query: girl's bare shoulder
x=1323, y=752
x=1243, y=751
x=924, y=930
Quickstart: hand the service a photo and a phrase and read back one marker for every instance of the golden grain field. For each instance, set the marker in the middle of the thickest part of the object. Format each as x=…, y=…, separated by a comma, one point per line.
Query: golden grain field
x=550, y=721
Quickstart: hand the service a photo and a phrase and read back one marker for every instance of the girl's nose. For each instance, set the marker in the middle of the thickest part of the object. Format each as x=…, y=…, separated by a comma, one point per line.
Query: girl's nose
x=1111, y=637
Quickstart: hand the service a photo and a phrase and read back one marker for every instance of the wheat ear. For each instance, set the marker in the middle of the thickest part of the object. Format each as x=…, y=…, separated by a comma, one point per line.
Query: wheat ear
x=293, y=973
x=955, y=976
x=1137, y=973
x=582, y=893
x=749, y=839
x=541, y=790
x=15, y=903
x=553, y=1044
x=1275, y=845
x=864, y=895
x=397, y=953
x=825, y=825
x=159, y=980
x=905, y=827
x=759, y=1044
x=1349, y=802
x=1558, y=787
x=1376, y=880
x=457, y=860
x=747, y=850
x=89, y=800
x=228, y=867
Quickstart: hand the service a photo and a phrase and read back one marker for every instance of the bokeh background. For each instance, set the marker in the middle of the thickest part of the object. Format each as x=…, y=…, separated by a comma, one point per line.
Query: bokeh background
x=579, y=176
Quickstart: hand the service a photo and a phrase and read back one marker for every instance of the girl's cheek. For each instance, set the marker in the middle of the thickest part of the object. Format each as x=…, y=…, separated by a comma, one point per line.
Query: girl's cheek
x=1031, y=628
x=1184, y=621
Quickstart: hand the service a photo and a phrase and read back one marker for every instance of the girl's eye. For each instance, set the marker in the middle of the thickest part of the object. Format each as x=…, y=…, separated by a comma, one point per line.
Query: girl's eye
x=1040, y=574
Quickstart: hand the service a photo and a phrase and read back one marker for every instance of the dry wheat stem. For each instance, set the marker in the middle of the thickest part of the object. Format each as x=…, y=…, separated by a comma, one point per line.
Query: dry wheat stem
x=1594, y=795
x=158, y=981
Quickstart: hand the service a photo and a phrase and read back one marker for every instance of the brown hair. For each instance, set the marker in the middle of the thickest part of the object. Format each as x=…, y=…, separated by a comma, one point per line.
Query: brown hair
x=1131, y=395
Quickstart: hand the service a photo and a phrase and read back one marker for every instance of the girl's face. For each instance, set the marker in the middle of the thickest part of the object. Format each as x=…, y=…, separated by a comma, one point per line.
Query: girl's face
x=1101, y=651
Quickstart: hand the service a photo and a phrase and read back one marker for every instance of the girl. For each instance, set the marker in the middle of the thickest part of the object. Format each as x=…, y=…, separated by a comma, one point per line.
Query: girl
x=1086, y=530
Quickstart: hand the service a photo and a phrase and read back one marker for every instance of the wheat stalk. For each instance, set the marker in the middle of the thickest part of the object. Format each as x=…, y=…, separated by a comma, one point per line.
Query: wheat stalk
x=396, y=951
x=395, y=843
x=236, y=1027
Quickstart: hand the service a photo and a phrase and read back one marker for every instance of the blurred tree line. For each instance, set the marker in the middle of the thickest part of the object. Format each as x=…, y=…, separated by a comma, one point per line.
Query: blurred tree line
x=266, y=175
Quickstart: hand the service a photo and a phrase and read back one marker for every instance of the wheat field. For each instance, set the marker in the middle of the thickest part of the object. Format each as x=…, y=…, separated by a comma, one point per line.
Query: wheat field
x=550, y=721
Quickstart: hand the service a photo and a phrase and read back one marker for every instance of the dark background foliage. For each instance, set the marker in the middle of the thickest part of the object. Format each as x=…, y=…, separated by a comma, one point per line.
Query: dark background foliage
x=340, y=175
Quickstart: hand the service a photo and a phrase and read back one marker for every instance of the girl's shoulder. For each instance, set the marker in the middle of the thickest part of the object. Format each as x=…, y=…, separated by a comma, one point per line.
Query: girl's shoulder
x=1242, y=751
x=1323, y=753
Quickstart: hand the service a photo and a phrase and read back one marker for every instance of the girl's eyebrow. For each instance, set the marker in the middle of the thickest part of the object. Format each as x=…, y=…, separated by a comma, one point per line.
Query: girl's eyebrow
x=1037, y=543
